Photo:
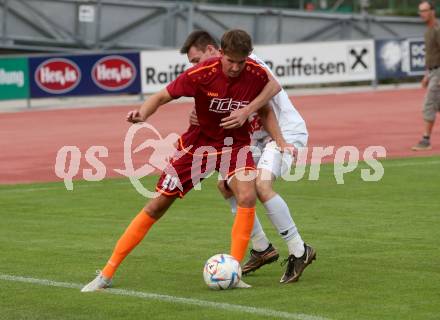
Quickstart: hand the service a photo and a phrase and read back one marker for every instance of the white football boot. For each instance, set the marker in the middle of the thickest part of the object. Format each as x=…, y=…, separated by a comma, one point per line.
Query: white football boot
x=243, y=285
x=99, y=283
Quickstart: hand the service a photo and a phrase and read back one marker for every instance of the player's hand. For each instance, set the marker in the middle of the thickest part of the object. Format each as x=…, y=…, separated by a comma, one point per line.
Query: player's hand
x=425, y=82
x=134, y=117
x=193, y=118
x=235, y=120
x=289, y=148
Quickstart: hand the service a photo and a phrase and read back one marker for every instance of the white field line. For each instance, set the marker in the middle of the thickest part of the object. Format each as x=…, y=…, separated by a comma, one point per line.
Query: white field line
x=124, y=182
x=171, y=299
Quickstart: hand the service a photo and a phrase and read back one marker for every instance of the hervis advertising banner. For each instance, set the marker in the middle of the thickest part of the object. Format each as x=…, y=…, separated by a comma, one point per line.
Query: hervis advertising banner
x=293, y=64
x=14, y=82
x=84, y=75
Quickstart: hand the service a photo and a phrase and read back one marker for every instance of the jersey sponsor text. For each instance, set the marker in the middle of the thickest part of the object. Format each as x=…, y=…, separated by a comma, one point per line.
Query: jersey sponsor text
x=226, y=105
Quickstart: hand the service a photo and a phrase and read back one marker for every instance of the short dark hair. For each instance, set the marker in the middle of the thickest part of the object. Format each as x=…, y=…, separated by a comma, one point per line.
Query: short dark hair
x=199, y=39
x=430, y=2
x=236, y=41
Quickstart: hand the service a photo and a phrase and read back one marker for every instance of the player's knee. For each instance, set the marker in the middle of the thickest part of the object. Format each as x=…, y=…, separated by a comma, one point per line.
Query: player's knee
x=156, y=207
x=221, y=186
x=246, y=198
x=224, y=189
x=264, y=190
x=153, y=210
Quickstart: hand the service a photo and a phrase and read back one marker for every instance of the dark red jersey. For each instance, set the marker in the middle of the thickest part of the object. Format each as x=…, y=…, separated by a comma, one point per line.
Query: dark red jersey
x=217, y=95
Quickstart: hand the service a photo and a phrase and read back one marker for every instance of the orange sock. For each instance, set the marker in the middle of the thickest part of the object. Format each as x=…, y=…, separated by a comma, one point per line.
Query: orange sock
x=134, y=233
x=241, y=231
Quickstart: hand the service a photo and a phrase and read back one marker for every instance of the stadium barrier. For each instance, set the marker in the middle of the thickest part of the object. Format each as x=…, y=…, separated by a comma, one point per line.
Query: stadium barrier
x=149, y=71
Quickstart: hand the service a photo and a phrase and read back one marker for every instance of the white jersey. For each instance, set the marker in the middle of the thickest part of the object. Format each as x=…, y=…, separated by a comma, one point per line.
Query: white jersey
x=289, y=119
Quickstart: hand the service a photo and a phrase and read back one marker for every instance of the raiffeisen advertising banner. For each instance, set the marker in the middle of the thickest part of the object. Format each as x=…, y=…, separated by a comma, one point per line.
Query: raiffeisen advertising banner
x=324, y=62
x=84, y=75
x=302, y=63
x=14, y=82
x=159, y=68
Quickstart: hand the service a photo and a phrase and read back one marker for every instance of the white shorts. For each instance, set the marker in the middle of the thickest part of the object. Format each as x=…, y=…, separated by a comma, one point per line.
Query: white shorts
x=268, y=156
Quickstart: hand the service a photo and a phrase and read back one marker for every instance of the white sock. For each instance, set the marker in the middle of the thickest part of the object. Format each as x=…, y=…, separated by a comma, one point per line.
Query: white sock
x=279, y=214
x=258, y=237
x=296, y=246
x=233, y=203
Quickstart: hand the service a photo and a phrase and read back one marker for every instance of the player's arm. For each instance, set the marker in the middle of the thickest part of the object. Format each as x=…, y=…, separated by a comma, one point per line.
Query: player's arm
x=149, y=106
x=270, y=124
x=238, y=117
x=193, y=118
x=271, y=89
x=425, y=79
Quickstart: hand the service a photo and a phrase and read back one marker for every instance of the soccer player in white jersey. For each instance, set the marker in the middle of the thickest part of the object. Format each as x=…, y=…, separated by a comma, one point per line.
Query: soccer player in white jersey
x=271, y=164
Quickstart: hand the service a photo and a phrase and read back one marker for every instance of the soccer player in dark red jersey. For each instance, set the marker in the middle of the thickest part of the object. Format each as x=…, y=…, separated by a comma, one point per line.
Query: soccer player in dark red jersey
x=272, y=161
x=226, y=90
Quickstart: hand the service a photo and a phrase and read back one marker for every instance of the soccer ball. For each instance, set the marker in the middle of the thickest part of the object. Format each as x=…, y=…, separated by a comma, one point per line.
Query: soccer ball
x=221, y=272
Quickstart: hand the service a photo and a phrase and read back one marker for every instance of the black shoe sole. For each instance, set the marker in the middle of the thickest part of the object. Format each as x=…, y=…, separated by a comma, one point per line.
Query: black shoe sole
x=271, y=260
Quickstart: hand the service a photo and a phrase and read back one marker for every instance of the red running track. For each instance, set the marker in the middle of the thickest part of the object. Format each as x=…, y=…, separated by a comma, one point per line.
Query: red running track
x=29, y=141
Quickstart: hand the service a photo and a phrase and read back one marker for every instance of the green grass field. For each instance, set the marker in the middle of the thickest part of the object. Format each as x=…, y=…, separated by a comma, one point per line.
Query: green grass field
x=377, y=243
